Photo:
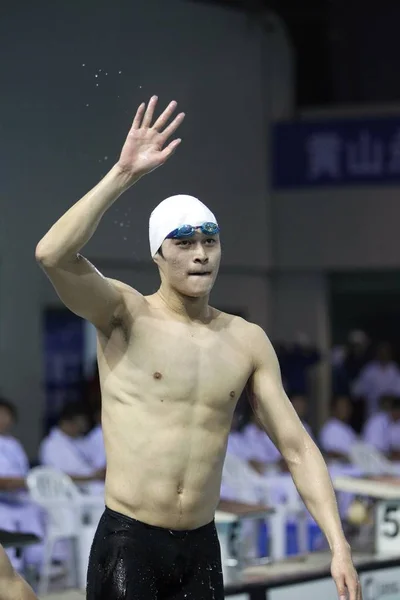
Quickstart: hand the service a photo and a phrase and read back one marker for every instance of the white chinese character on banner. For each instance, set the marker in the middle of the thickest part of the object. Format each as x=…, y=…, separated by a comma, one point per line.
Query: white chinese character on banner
x=394, y=154
x=324, y=155
x=364, y=156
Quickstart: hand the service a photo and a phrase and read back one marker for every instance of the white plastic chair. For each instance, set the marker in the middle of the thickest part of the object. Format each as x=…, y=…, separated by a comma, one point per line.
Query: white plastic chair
x=56, y=493
x=251, y=487
x=370, y=460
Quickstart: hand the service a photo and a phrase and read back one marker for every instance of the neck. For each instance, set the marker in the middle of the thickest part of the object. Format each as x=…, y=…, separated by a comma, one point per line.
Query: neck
x=192, y=309
x=65, y=429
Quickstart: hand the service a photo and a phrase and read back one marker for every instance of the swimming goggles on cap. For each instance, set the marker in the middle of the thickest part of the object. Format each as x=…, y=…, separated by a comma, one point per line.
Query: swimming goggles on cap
x=188, y=230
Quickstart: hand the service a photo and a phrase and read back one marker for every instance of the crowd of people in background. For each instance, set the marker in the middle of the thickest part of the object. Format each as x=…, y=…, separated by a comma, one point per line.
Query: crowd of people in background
x=365, y=406
x=365, y=403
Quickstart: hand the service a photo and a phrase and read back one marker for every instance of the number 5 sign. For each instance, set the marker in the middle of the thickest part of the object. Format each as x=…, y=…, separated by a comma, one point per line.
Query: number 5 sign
x=387, y=535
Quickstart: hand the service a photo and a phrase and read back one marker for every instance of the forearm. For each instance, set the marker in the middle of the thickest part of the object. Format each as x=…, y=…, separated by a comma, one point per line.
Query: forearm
x=12, y=586
x=75, y=228
x=313, y=482
x=15, y=588
x=12, y=484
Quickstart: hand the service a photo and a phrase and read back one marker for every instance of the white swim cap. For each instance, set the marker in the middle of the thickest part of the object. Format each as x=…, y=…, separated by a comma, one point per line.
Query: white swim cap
x=173, y=213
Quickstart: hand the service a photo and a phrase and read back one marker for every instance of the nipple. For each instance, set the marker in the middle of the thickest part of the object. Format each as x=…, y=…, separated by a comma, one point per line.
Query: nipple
x=157, y=375
x=232, y=394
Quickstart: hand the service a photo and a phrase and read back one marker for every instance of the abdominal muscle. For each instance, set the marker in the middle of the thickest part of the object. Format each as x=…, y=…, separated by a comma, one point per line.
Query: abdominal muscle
x=164, y=469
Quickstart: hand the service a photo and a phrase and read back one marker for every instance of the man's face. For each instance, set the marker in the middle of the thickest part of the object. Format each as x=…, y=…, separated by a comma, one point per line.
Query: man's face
x=78, y=426
x=6, y=420
x=384, y=353
x=190, y=265
x=344, y=408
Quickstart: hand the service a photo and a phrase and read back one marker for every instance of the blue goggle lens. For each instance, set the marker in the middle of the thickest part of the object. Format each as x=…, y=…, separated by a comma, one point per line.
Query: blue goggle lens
x=188, y=230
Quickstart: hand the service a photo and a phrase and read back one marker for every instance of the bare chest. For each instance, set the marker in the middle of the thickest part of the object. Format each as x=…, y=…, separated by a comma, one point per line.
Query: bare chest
x=181, y=363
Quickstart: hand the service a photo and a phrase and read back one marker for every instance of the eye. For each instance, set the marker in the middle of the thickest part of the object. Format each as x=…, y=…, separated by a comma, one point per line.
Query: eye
x=184, y=243
x=210, y=241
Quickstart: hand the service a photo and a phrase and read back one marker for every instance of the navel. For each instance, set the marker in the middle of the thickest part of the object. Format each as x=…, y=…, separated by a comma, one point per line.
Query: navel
x=157, y=375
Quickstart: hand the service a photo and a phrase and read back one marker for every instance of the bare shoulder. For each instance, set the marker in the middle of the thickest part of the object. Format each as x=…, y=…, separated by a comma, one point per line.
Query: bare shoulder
x=250, y=333
x=255, y=341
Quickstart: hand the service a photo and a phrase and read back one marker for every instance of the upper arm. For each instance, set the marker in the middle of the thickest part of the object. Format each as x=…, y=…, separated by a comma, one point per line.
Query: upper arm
x=270, y=402
x=86, y=292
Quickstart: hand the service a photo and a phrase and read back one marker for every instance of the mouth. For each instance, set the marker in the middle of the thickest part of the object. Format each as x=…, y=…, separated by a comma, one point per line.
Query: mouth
x=203, y=274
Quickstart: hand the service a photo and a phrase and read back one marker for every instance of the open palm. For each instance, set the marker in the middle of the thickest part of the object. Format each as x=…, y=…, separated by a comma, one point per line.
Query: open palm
x=145, y=147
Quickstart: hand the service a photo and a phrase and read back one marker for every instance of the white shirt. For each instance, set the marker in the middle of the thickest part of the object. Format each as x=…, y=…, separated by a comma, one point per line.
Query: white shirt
x=237, y=445
x=65, y=453
x=336, y=436
x=394, y=436
x=13, y=463
x=93, y=447
x=259, y=446
x=376, y=380
x=376, y=431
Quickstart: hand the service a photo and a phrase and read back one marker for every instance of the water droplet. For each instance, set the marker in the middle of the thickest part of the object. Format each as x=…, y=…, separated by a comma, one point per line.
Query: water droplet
x=106, y=73
x=96, y=75
x=115, y=222
x=119, y=72
x=87, y=104
x=121, y=224
x=97, y=85
x=140, y=87
x=100, y=70
x=106, y=158
x=125, y=239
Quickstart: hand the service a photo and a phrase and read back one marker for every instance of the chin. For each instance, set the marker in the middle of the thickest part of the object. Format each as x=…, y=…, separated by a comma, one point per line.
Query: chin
x=197, y=291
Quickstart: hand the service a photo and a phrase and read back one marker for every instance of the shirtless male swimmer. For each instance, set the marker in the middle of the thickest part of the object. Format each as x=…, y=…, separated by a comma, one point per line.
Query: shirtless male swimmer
x=172, y=369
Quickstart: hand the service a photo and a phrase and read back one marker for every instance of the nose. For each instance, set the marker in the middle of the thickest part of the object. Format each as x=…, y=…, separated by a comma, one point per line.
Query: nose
x=200, y=255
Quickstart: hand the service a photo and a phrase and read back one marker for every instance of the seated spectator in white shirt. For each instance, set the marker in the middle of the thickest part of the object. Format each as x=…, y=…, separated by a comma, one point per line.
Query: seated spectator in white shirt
x=262, y=454
x=300, y=405
x=17, y=511
x=337, y=436
x=65, y=449
x=378, y=378
x=93, y=444
x=376, y=428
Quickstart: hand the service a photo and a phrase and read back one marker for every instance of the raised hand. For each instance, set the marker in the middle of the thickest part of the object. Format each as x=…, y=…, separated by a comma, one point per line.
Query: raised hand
x=145, y=147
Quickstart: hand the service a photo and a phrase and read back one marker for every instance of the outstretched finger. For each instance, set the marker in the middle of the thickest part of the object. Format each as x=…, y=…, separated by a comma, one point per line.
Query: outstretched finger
x=172, y=127
x=165, y=116
x=341, y=587
x=148, y=116
x=137, y=121
x=170, y=149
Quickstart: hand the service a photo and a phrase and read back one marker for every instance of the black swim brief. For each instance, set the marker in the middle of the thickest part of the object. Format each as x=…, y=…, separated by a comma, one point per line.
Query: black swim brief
x=131, y=560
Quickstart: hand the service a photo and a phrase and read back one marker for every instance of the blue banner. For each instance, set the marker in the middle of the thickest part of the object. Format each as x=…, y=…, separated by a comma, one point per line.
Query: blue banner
x=64, y=356
x=336, y=152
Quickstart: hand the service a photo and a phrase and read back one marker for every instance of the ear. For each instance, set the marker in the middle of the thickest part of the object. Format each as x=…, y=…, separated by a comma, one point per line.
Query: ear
x=157, y=258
